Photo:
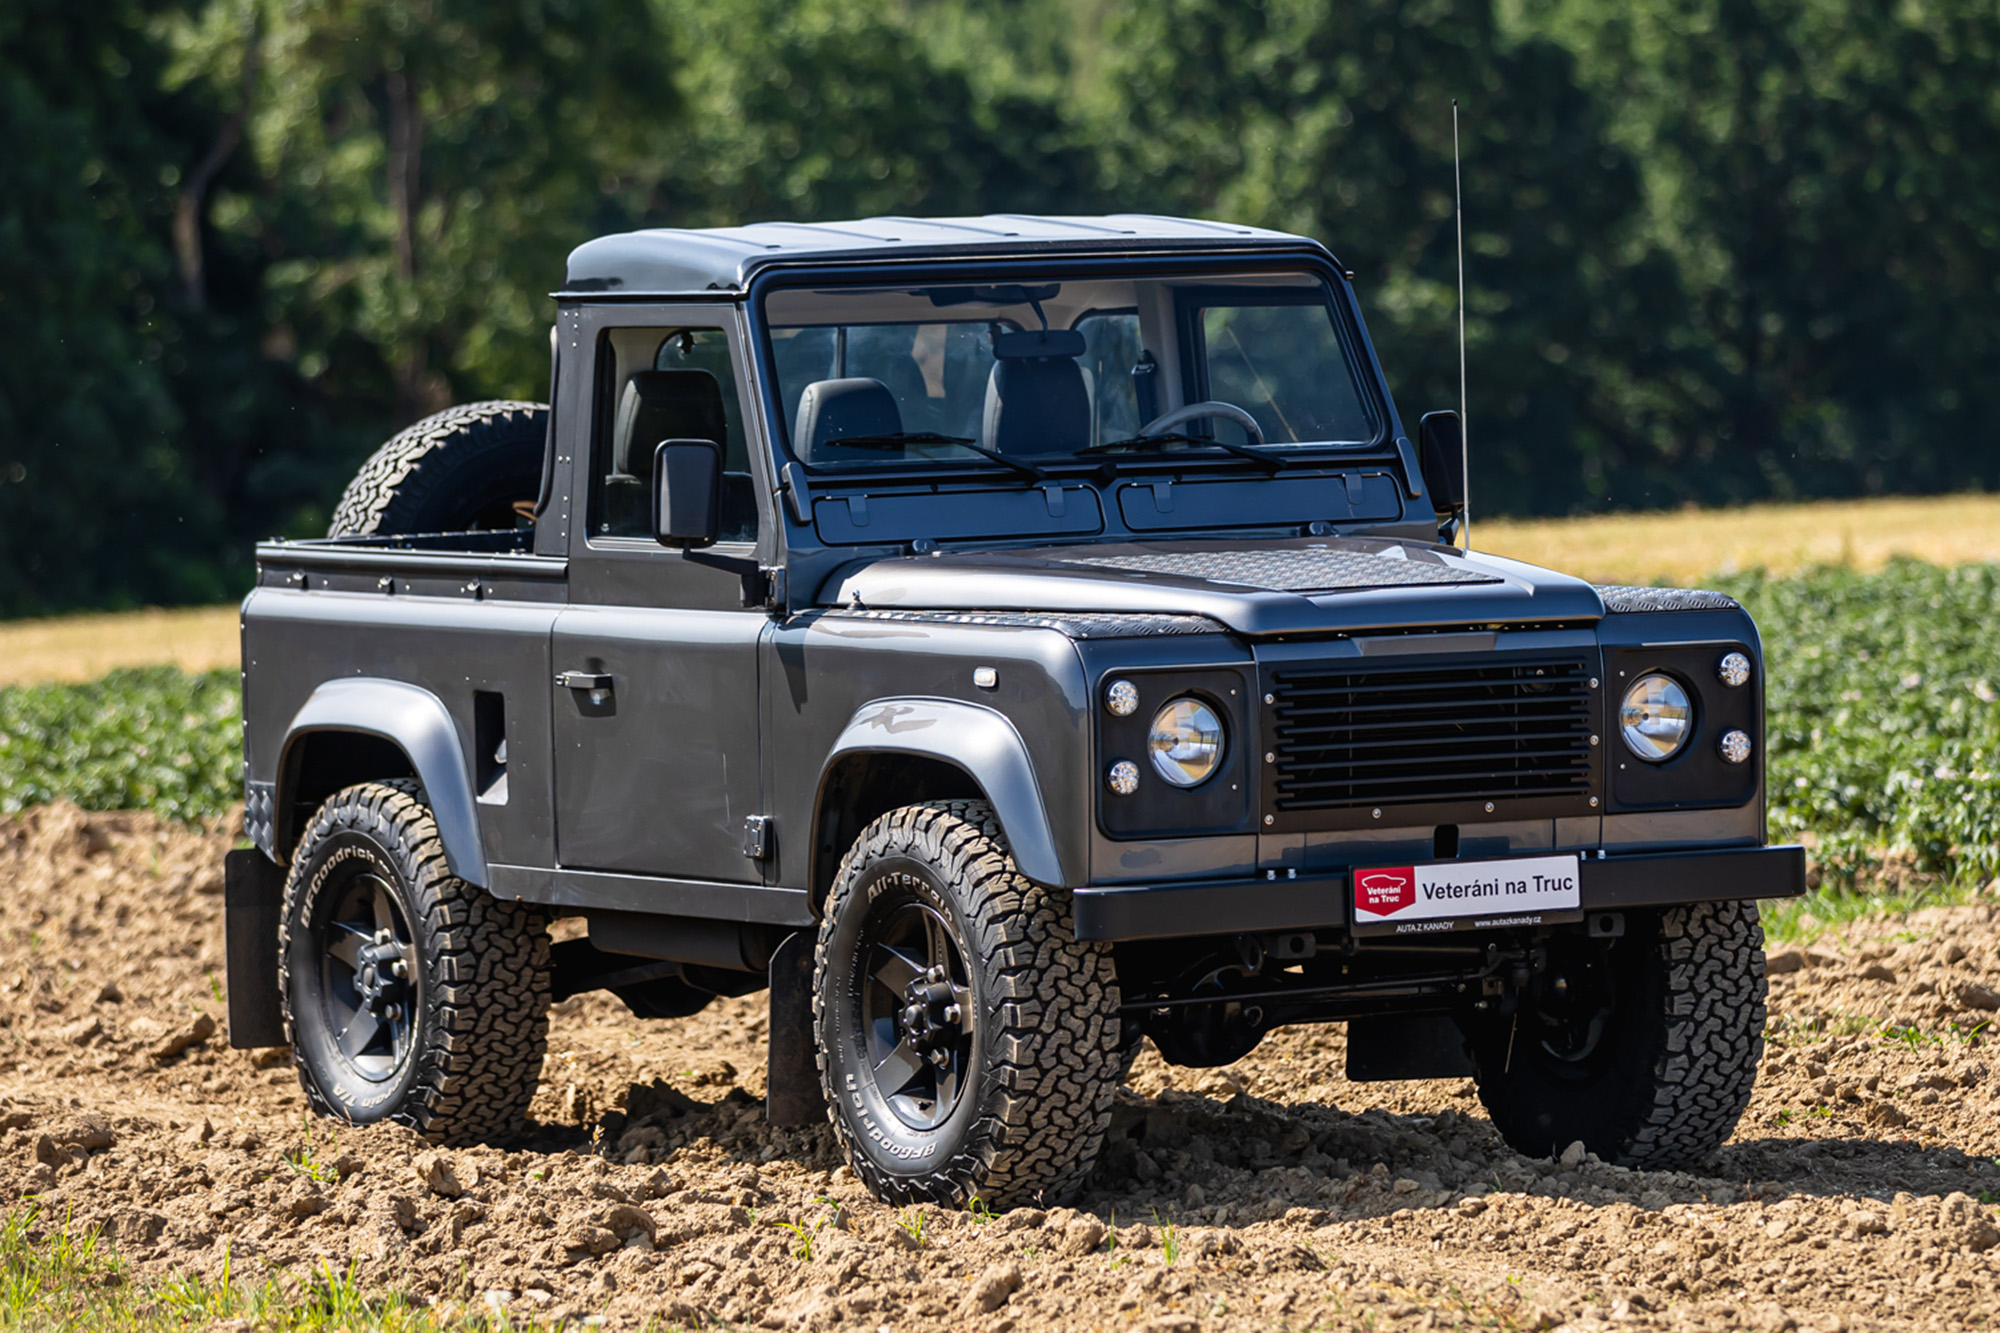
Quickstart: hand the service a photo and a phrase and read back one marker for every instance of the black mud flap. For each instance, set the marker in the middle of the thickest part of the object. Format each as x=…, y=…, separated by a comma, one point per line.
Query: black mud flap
x=1405, y=1046
x=253, y=897
x=792, y=1095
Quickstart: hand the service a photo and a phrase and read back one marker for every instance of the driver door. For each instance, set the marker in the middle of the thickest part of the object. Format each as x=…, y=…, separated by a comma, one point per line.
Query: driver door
x=656, y=660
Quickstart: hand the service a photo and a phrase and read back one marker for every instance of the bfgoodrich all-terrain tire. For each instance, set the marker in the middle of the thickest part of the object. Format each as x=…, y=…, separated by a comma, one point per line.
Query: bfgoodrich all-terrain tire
x=409, y=995
x=1645, y=1048
x=466, y=469
x=968, y=1042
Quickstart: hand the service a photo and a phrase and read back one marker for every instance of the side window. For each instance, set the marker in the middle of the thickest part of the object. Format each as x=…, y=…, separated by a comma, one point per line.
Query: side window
x=666, y=384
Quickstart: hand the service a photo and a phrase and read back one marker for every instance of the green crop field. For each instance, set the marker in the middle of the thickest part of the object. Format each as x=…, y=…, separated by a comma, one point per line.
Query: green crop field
x=1883, y=733
x=152, y=738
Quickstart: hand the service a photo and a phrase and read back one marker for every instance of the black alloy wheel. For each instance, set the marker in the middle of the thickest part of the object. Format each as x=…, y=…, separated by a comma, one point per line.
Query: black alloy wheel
x=369, y=992
x=919, y=1023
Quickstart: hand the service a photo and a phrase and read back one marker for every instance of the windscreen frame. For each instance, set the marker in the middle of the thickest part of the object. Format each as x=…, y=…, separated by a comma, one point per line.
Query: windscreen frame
x=1011, y=269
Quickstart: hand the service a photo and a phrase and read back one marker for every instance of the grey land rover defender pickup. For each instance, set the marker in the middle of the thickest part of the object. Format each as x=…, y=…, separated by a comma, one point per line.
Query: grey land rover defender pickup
x=1006, y=640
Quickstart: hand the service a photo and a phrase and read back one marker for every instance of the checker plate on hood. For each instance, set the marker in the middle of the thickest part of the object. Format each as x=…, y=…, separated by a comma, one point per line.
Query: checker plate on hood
x=1309, y=570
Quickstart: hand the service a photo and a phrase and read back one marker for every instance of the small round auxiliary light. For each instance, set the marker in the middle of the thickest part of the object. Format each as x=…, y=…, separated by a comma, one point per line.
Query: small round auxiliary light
x=1122, y=699
x=1733, y=669
x=1123, y=779
x=1735, y=746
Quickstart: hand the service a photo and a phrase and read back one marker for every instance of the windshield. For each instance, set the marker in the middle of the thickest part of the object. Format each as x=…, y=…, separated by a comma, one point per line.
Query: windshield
x=1038, y=372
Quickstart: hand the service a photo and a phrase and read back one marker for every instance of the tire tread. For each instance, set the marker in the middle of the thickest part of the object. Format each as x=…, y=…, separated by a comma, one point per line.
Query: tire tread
x=1053, y=1065
x=489, y=992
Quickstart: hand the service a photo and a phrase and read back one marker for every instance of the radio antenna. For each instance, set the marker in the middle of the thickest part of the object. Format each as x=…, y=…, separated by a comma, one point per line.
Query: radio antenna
x=1464, y=424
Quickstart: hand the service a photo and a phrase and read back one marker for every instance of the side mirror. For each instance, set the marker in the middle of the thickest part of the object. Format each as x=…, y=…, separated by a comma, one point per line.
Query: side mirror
x=687, y=493
x=1441, y=448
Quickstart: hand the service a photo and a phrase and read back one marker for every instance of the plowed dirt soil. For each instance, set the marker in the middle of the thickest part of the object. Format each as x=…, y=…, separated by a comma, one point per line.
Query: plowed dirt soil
x=1857, y=1193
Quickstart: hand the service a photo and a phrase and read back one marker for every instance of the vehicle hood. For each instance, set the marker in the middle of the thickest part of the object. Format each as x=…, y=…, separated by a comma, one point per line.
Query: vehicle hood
x=1300, y=585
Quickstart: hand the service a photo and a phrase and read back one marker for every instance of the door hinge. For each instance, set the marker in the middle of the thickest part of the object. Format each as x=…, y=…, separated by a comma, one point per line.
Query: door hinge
x=757, y=837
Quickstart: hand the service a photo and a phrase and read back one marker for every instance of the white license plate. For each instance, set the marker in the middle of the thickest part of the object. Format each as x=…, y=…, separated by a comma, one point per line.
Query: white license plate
x=1465, y=895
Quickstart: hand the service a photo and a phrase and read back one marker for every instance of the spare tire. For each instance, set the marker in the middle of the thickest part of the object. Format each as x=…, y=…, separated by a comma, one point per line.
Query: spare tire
x=469, y=468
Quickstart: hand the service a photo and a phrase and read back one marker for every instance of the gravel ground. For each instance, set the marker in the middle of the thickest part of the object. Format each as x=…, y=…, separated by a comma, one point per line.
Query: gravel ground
x=1857, y=1194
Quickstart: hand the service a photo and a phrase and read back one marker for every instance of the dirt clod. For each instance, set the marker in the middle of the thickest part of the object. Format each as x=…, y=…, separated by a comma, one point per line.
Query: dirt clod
x=993, y=1287
x=438, y=1175
x=180, y=1038
x=1975, y=996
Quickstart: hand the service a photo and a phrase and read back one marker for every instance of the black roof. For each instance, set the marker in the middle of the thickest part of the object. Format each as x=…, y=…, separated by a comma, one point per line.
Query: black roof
x=674, y=260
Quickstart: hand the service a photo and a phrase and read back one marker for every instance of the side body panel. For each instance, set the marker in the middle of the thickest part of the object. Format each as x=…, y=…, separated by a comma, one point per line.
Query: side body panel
x=295, y=642
x=823, y=673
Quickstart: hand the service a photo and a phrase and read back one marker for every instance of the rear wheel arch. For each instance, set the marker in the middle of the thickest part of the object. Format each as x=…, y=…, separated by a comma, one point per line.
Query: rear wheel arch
x=319, y=763
x=364, y=729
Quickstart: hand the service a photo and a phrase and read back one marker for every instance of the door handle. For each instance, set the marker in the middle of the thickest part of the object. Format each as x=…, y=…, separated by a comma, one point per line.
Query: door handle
x=596, y=685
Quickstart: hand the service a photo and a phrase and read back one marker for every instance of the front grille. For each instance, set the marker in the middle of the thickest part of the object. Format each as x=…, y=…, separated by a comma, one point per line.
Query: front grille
x=1404, y=735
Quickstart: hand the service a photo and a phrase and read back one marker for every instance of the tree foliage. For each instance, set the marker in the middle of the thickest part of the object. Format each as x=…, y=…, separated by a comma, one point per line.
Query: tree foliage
x=1716, y=250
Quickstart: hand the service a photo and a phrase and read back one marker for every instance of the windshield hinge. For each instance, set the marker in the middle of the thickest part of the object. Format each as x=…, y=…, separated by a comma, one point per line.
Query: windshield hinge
x=1410, y=469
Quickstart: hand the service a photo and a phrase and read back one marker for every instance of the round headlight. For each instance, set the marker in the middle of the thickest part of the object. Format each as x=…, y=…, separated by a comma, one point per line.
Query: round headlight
x=1655, y=718
x=1185, y=742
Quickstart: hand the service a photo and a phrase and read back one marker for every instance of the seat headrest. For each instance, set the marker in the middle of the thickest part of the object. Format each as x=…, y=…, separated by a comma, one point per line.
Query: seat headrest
x=664, y=405
x=1036, y=407
x=832, y=410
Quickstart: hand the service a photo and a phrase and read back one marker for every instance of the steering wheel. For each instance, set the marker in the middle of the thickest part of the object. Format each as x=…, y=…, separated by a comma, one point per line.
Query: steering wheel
x=1180, y=416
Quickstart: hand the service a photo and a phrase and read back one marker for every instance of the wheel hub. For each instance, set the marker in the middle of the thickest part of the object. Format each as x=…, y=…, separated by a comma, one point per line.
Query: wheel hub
x=381, y=975
x=931, y=1017
x=370, y=989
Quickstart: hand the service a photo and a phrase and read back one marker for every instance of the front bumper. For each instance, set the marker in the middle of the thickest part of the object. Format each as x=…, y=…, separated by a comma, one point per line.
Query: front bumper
x=1610, y=883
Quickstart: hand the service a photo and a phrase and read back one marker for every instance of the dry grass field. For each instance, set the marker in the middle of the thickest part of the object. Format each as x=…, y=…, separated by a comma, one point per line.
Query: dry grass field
x=77, y=648
x=1687, y=546
x=1678, y=548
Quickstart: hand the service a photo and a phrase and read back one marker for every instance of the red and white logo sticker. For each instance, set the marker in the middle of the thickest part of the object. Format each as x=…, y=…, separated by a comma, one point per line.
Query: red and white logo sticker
x=1474, y=893
x=1385, y=892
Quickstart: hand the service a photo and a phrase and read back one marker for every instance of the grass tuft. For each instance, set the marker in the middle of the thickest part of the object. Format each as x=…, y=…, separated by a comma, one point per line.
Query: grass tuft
x=57, y=1275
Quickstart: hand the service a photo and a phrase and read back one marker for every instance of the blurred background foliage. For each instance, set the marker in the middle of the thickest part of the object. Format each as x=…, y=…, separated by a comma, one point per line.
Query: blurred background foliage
x=1717, y=250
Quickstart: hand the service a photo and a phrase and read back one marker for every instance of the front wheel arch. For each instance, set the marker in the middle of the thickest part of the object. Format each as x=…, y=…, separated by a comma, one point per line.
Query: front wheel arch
x=860, y=787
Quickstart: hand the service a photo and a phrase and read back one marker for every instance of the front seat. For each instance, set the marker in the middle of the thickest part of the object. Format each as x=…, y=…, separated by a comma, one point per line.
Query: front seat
x=655, y=405
x=1036, y=404
x=833, y=410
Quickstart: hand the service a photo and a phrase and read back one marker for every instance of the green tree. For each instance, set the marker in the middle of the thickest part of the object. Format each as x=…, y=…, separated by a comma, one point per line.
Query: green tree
x=1335, y=120
x=1822, y=172
x=425, y=166
x=93, y=483
x=823, y=109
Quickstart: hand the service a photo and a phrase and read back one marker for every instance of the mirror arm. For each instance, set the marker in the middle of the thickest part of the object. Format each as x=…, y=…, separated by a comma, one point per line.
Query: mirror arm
x=756, y=583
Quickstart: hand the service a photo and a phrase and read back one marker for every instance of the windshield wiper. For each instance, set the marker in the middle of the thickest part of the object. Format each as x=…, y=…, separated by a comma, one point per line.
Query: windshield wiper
x=896, y=439
x=1153, y=444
